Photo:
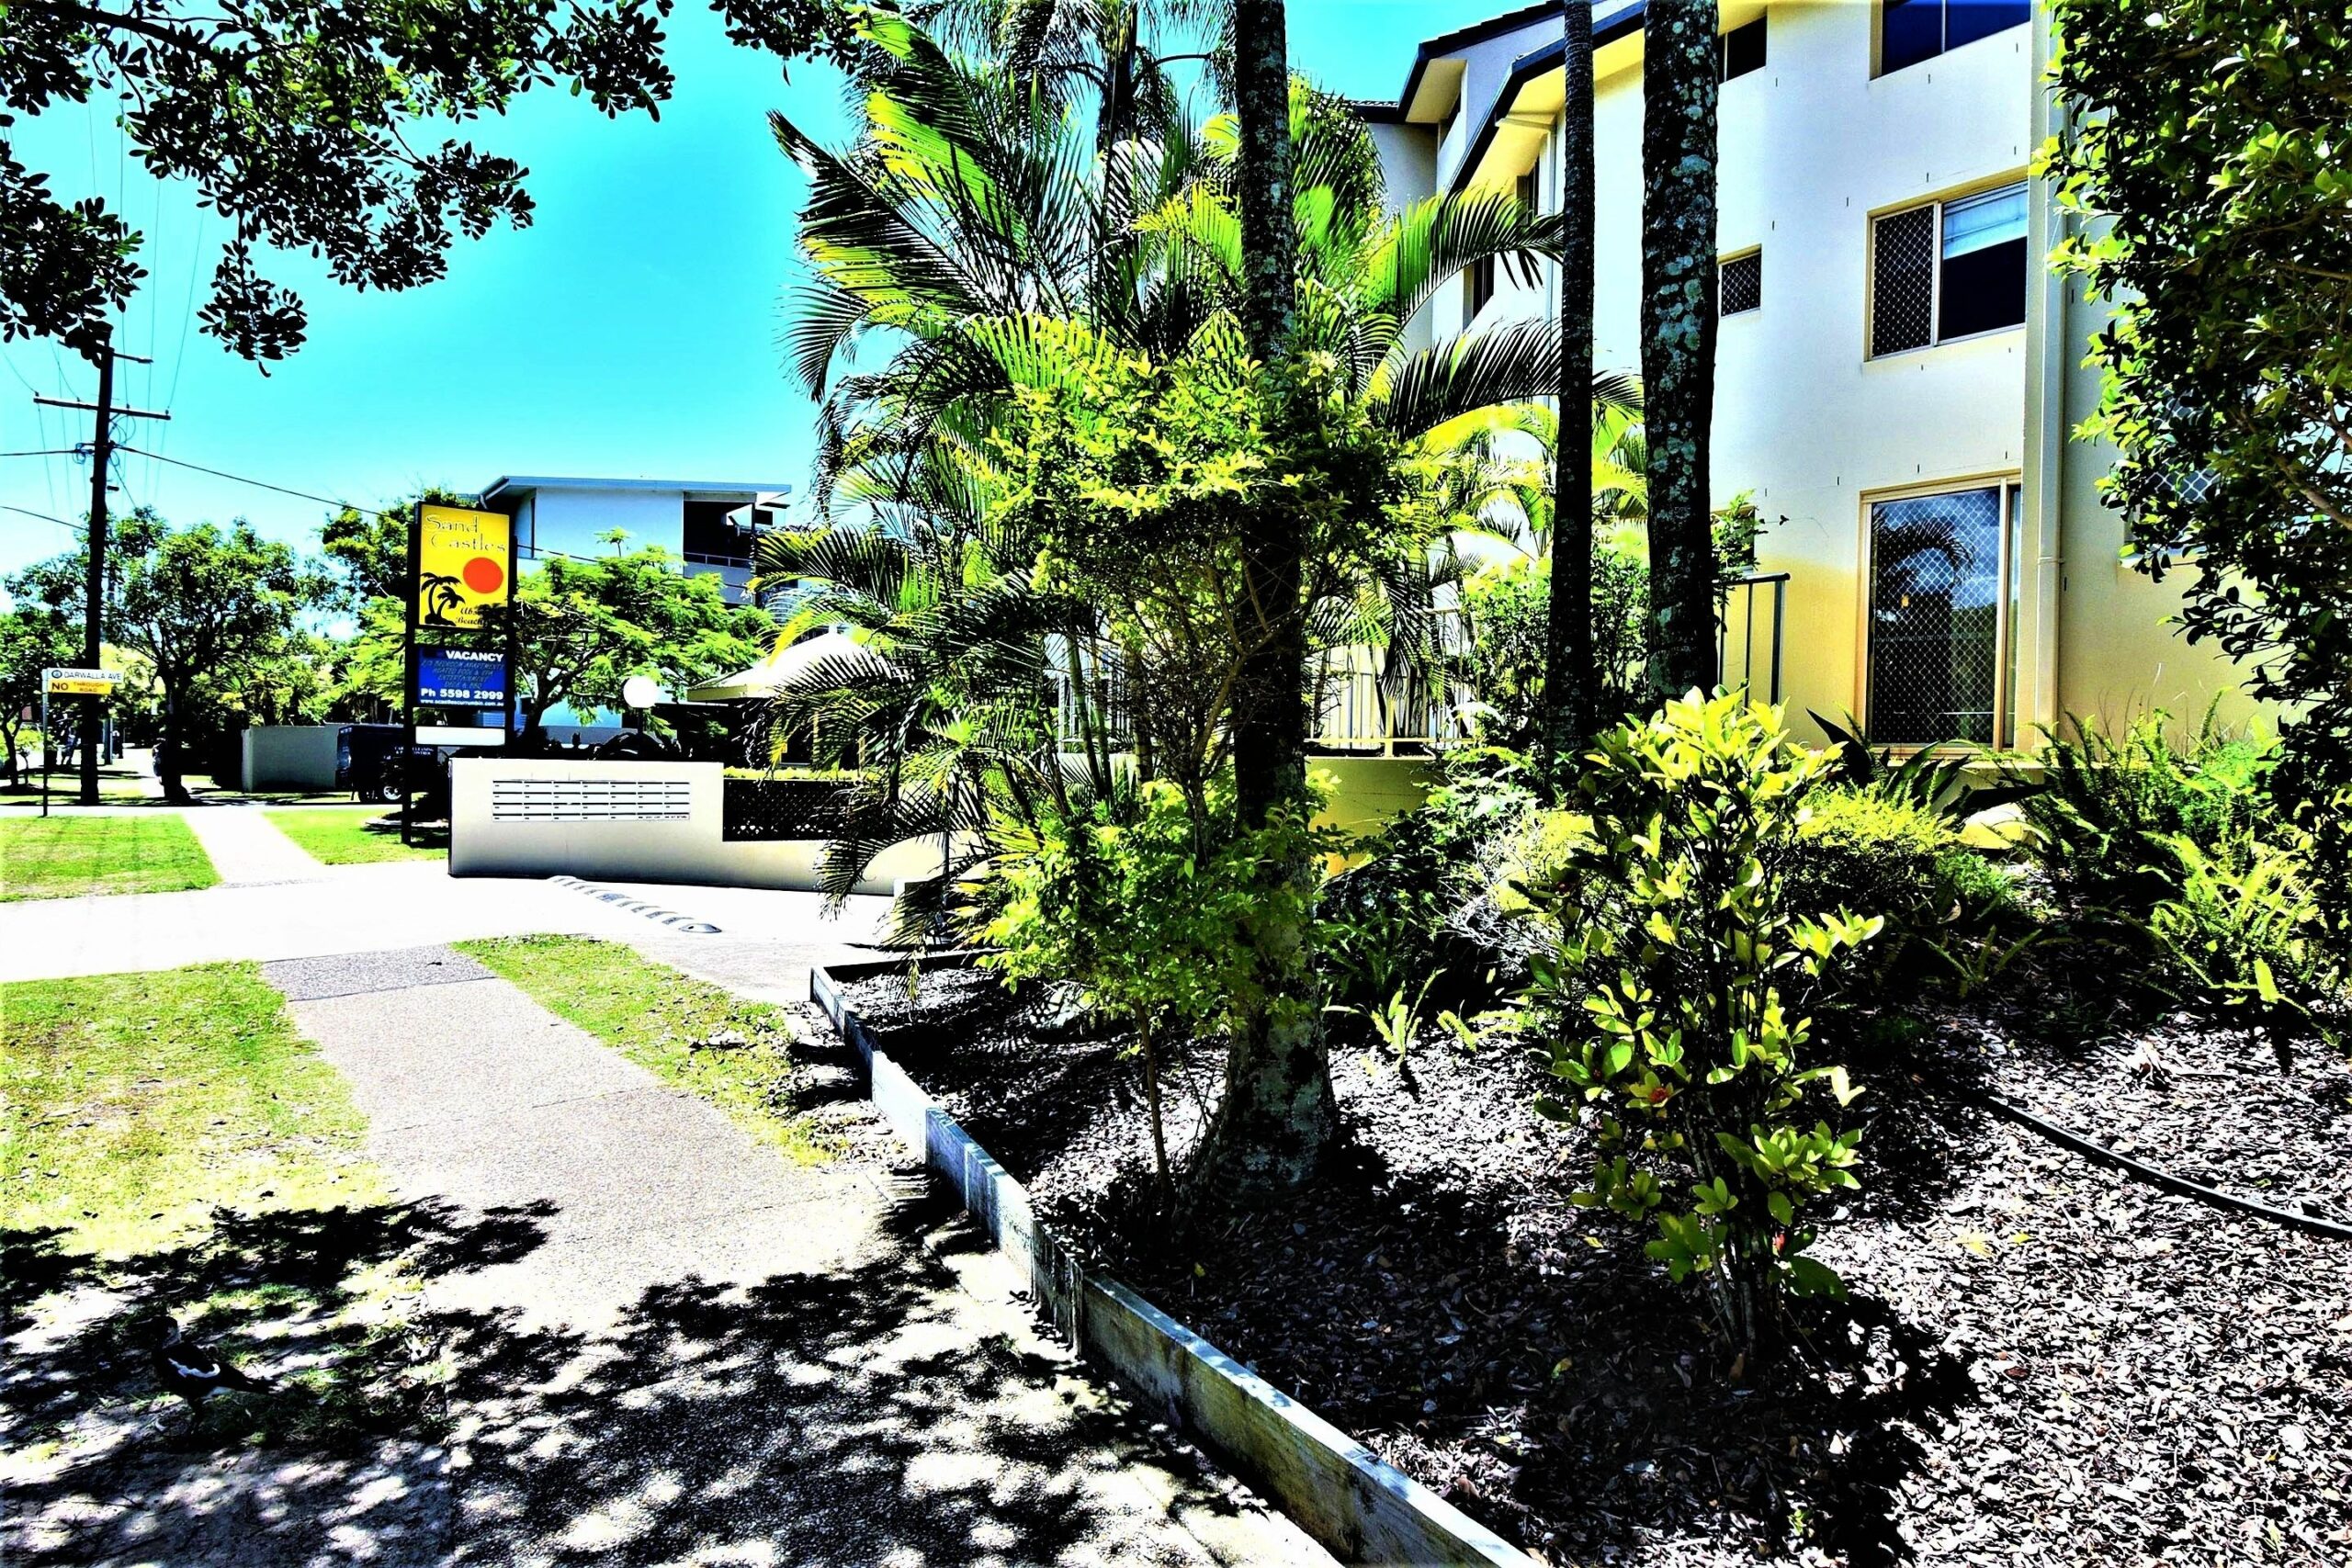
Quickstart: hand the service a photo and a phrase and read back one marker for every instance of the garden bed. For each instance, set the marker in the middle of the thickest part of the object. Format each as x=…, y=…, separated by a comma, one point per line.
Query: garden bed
x=2041, y=1360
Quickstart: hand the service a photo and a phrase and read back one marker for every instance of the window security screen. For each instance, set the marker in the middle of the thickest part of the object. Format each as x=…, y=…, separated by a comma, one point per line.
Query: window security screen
x=1743, y=284
x=1903, y=281
x=1936, y=593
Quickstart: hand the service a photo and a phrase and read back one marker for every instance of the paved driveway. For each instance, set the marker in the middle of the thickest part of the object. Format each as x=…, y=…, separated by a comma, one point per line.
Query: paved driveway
x=367, y=909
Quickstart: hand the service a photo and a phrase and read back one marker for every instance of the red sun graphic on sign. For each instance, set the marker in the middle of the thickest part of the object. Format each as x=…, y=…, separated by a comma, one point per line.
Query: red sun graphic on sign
x=483, y=575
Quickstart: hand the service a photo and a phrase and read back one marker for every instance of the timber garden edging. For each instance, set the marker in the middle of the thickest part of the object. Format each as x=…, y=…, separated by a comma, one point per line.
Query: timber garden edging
x=1360, y=1507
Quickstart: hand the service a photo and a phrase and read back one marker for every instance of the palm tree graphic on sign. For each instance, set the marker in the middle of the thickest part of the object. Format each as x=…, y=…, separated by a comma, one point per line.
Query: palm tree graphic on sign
x=445, y=593
x=442, y=599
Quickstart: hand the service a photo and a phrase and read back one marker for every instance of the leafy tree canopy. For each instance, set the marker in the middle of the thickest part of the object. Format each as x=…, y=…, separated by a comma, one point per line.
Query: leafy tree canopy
x=313, y=128
x=2207, y=159
x=582, y=627
x=211, y=609
x=370, y=548
x=33, y=638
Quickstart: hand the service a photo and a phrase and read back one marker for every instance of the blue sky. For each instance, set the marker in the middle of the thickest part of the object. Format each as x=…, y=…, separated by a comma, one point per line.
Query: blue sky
x=630, y=331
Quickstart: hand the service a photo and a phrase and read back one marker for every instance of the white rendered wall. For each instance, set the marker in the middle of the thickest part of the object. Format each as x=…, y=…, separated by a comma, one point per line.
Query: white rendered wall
x=686, y=850
x=569, y=521
x=1810, y=147
x=299, y=756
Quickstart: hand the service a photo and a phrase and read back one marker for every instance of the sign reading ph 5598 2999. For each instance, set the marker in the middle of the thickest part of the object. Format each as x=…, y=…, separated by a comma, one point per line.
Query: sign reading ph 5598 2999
x=465, y=563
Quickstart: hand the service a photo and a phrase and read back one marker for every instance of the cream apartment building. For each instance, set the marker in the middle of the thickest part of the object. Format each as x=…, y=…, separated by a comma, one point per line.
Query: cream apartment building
x=1897, y=374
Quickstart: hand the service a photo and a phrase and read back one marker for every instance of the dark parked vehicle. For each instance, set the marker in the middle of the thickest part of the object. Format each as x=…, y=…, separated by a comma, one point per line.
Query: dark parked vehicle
x=367, y=762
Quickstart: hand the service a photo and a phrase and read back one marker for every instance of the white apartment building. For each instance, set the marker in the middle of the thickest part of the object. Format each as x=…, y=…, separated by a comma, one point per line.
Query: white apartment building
x=709, y=525
x=1897, y=374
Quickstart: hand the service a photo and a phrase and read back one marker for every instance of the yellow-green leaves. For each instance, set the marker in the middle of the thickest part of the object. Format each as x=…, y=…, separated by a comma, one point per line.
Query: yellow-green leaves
x=1689, y=1057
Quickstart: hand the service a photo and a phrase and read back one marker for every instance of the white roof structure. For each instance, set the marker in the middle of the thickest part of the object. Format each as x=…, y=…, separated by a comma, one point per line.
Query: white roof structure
x=766, y=678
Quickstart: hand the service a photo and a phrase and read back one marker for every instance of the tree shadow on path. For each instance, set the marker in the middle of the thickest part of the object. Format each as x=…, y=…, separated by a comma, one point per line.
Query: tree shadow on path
x=868, y=1413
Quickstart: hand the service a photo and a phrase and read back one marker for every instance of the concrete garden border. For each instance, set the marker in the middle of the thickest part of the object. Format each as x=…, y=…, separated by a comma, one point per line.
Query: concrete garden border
x=1361, y=1509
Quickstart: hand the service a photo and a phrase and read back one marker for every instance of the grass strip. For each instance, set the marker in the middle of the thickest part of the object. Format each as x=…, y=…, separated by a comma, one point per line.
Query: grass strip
x=169, y=1144
x=702, y=1038
x=70, y=857
x=357, y=835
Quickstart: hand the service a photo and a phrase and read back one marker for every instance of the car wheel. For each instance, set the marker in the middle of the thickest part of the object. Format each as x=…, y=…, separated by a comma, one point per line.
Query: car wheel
x=388, y=792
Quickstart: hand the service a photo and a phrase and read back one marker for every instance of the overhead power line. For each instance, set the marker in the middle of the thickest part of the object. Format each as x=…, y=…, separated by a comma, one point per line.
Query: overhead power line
x=247, y=479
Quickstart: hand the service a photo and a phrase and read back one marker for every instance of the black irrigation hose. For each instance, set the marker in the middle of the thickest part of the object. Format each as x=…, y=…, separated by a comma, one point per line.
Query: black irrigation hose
x=2143, y=1171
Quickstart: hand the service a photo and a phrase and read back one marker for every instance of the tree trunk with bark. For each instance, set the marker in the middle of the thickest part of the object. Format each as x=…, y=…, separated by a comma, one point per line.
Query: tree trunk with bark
x=1569, y=676
x=1679, y=70
x=1278, y=1116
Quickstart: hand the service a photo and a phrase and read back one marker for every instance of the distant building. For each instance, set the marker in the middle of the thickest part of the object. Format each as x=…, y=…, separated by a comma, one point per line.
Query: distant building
x=710, y=526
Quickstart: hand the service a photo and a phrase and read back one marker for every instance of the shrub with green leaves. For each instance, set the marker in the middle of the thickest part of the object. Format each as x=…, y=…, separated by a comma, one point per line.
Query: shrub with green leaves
x=1148, y=900
x=1415, y=910
x=2107, y=809
x=1673, y=1007
x=1887, y=854
x=2243, y=936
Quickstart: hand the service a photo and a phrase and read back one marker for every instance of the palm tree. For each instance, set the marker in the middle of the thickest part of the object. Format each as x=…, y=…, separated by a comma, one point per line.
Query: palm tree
x=1001, y=251
x=1498, y=488
x=1680, y=62
x=1568, y=682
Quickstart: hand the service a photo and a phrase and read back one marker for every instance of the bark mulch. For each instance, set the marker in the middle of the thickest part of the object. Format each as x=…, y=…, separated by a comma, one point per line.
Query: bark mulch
x=2041, y=1362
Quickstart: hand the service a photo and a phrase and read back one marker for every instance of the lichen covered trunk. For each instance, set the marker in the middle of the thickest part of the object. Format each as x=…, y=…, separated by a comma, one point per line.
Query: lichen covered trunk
x=1679, y=82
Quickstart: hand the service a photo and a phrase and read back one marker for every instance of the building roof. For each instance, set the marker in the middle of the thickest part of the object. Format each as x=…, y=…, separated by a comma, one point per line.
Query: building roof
x=516, y=484
x=1612, y=19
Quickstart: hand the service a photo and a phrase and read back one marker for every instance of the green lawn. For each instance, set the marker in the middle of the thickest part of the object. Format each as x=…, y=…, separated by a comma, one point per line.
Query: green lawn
x=357, y=835
x=66, y=857
x=171, y=1144
x=138, y=1104
x=663, y=1021
x=118, y=786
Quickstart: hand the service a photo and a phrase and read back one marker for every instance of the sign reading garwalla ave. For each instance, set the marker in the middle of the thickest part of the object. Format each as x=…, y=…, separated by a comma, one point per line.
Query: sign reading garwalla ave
x=464, y=562
x=70, y=682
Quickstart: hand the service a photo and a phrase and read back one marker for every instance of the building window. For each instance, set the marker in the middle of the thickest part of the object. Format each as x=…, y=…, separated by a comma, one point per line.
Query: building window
x=1911, y=30
x=1743, y=50
x=720, y=533
x=1524, y=188
x=1948, y=269
x=1477, y=287
x=1741, y=282
x=1945, y=580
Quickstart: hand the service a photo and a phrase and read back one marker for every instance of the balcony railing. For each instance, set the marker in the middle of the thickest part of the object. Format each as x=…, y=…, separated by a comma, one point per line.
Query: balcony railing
x=1748, y=624
x=1355, y=710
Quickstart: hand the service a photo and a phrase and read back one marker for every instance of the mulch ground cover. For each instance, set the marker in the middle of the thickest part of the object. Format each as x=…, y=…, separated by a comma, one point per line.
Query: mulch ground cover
x=2041, y=1361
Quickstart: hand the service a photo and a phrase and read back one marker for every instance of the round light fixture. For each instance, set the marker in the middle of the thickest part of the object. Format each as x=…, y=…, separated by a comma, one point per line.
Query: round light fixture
x=640, y=692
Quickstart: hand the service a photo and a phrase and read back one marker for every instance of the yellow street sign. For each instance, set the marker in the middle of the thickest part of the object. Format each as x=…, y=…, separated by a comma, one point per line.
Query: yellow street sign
x=465, y=560
x=81, y=683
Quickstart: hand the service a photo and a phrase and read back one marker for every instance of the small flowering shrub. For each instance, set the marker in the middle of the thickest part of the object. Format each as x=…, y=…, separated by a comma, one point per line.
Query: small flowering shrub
x=1672, y=1007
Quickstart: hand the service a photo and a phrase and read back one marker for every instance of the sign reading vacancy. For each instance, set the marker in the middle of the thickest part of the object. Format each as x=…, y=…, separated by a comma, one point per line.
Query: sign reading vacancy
x=463, y=563
x=460, y=678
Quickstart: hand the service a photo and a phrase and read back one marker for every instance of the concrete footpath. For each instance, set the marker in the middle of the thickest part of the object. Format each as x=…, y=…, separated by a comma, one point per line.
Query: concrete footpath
x=247, y=849
x=675, y=1345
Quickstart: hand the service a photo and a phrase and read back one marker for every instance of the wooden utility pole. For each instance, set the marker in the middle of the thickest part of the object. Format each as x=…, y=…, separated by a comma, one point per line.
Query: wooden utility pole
x=93, y=597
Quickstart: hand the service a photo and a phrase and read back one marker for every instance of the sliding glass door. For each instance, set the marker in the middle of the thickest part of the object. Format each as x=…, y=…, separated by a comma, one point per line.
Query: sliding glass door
x=1944, y=581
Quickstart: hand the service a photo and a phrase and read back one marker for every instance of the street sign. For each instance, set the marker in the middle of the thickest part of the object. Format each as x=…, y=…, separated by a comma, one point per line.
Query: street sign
x=67, y=683
x=460, y=678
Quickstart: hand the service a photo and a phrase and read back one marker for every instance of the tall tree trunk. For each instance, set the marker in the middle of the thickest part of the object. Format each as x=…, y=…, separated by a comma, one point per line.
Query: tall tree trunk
x=1569, y=675
x=1277, y=1117
x=1678, y=86
x=170, y=763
